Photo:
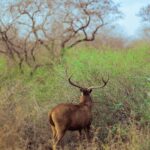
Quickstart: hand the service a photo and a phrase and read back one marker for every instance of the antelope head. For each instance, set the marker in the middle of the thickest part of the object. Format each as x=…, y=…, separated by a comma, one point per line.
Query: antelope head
x=85, y=92
x=68, y=116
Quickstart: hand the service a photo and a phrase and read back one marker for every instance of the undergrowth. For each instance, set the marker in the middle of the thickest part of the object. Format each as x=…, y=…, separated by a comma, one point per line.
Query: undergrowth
x=121, y=113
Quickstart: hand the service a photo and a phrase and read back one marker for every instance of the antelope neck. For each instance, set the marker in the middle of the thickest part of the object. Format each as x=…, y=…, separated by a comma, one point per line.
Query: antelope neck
x=86, y=100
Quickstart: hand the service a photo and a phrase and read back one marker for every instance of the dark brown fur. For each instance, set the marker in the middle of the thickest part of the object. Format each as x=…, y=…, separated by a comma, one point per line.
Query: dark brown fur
x=72, y=117
x=69, y=116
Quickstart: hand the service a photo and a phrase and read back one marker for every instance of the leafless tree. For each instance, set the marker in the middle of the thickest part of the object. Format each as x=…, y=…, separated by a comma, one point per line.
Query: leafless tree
x=82, y=20
x=144, y=13
x=8, y=47
x=53, y=25
x=28, y=29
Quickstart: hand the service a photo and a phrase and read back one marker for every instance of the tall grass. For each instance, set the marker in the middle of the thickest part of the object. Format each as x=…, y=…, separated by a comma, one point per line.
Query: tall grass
x=121, y=111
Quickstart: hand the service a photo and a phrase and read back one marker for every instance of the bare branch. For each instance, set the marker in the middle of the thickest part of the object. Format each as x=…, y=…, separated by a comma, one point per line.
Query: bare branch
x=145, y=13
x=82, y=24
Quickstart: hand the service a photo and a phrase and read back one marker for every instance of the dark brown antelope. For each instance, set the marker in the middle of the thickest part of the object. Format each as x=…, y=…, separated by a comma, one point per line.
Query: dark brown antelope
x=72, y=117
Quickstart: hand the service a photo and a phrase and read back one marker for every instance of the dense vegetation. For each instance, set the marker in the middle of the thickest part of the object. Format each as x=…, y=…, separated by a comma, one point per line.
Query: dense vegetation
x=121, y=111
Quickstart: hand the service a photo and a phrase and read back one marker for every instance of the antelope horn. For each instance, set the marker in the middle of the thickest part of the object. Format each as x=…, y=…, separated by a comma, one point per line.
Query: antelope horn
x=104, y=84
x=69, y=79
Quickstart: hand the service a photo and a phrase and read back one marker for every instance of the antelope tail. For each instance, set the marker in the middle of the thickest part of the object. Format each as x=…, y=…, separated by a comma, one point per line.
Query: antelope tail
x=51, y=120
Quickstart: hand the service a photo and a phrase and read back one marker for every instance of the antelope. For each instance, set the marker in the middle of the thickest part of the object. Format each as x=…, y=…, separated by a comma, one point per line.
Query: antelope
x=68, y=116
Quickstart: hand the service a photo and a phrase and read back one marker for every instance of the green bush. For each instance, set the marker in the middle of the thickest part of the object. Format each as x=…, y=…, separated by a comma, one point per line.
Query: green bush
x=125, y=101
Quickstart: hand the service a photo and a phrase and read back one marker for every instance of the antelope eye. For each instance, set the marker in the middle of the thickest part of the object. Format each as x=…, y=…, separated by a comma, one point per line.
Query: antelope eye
x=90, y=90
x=81, y=90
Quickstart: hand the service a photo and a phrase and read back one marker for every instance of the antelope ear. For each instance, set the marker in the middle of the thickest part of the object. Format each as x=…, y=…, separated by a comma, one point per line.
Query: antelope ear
x=81, y=90
x=90, y=90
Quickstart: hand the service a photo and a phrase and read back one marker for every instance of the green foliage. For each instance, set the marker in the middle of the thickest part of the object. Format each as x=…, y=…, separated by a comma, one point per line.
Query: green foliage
x=125, y=97
x=87, y=66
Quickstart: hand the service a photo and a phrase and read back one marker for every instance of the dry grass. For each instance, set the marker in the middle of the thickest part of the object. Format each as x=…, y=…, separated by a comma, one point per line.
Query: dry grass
x=30, y=131
x=121, y=115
